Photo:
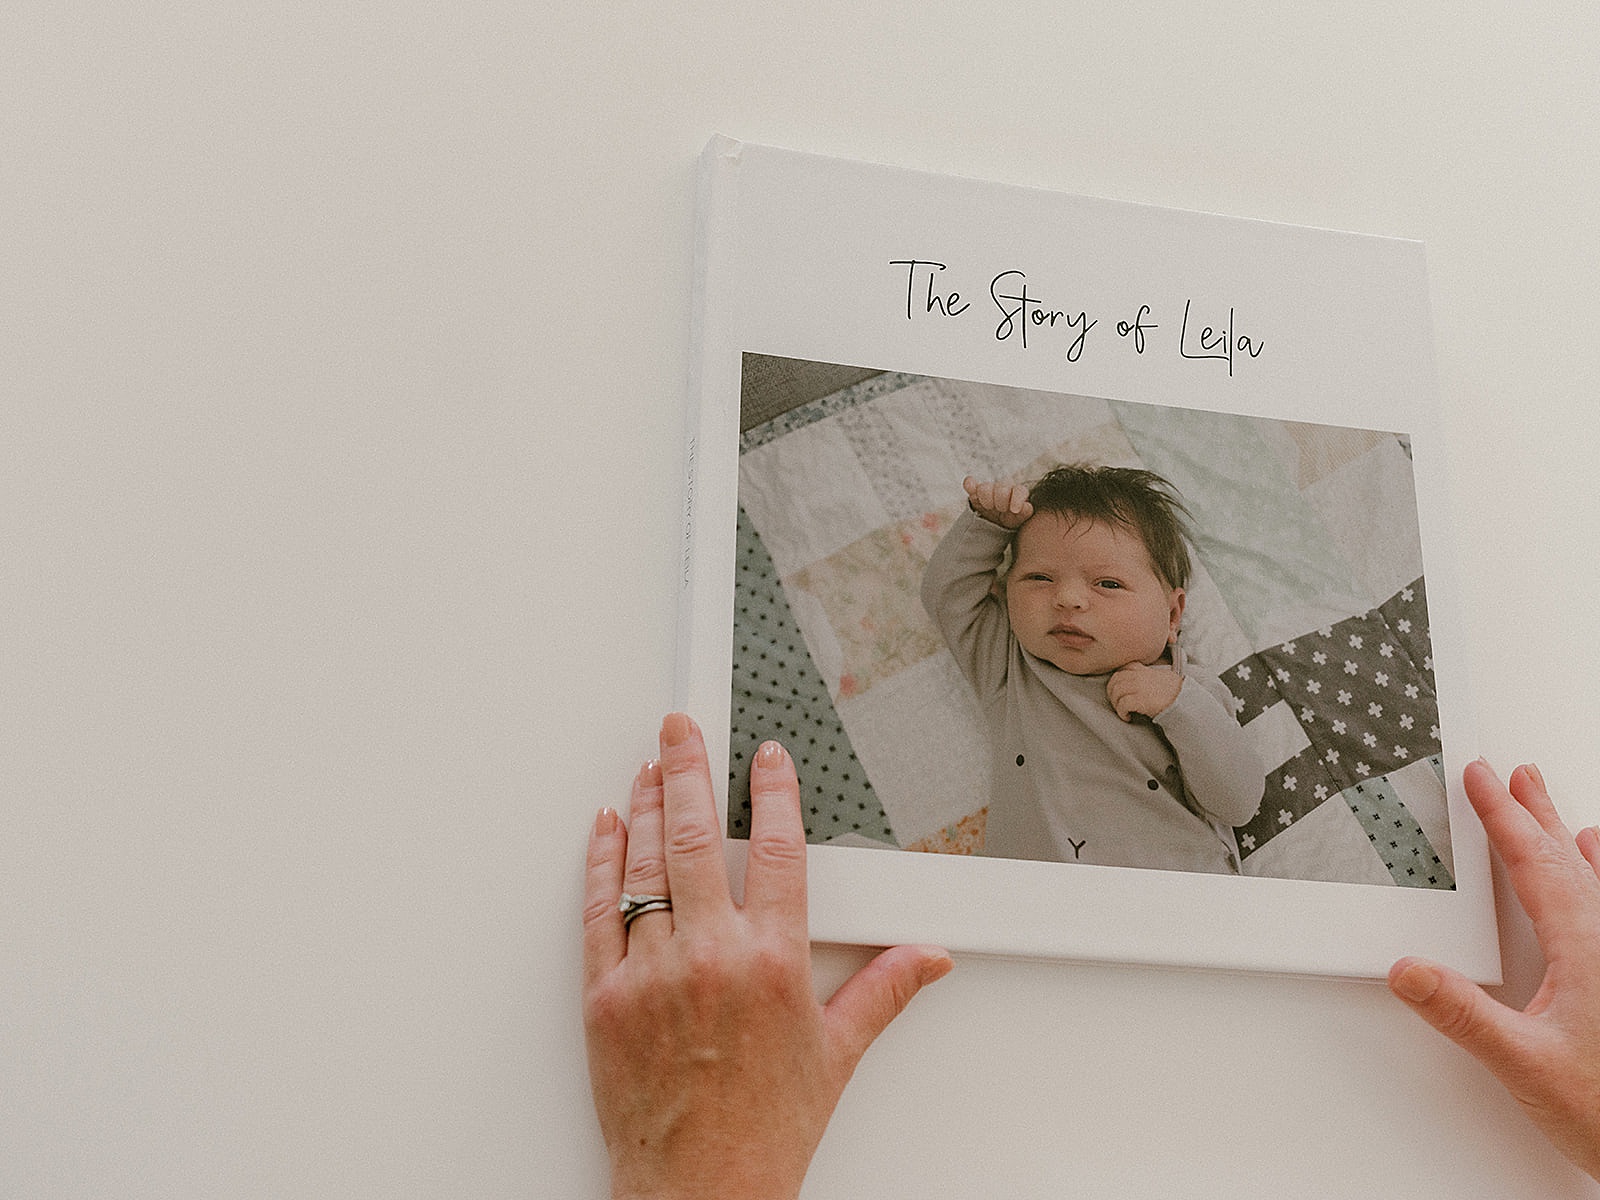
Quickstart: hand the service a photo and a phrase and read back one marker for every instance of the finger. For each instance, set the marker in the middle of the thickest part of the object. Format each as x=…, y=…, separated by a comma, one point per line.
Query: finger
x=1528, y=788
x=970, y=486
x=775, y=877
x=1019, y=499
x=646, y=871
x=1547, y=873
x=1119, y=691
x=1589, y=847
x=1121, y=701
x=875, y=995
x=604, y=942
x=696, y=867
x=1463, y=1012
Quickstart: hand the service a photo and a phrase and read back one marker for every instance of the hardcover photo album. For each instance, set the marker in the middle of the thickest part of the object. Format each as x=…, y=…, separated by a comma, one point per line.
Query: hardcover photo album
x=1197, y=697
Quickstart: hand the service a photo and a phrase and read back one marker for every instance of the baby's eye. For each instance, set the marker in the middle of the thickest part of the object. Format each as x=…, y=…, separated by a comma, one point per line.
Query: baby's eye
x=1109, y=584
x=1036, y=577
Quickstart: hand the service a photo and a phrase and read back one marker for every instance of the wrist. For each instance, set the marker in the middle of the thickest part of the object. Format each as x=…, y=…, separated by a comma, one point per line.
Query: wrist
x=669, y=1183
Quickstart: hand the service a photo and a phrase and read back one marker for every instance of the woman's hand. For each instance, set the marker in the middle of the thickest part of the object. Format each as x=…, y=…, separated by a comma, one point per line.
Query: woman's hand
x=1547, y=1055
x=714, y=1068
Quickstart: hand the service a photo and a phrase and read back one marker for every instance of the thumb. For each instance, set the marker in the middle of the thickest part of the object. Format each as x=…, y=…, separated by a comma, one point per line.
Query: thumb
x=1459, y=1009
x=878, y=993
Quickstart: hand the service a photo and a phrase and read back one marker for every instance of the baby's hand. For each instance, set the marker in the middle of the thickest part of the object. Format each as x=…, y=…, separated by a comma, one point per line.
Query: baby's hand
x=1004, y=504
x=1138, y=688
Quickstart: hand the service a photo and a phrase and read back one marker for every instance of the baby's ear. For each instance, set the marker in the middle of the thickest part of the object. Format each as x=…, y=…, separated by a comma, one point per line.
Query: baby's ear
x=1177, y=603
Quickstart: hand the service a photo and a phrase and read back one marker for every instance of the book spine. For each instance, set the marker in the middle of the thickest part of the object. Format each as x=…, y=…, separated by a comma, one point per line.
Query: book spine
x=712, y=417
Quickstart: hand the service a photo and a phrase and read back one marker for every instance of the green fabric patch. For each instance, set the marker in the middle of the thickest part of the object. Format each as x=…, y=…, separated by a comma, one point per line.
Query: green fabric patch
x=778, y=693
x=1396, y=836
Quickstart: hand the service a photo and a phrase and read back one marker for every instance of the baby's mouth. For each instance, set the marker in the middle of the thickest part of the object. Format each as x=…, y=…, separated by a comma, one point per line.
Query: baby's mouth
x=1070, y=635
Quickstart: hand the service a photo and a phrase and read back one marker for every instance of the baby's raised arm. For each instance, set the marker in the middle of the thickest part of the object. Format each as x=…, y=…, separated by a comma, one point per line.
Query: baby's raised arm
x=1004, y=504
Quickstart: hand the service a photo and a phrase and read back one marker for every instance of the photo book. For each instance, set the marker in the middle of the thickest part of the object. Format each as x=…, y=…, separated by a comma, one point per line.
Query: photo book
x=1092, y=560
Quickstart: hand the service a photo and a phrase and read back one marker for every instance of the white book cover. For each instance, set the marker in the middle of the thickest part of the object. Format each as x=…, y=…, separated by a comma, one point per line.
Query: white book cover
x=866, y=337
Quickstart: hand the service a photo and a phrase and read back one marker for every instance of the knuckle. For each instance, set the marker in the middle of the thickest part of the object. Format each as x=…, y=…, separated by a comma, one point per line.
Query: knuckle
x=605, y=1008
x=778, y=850
x=1457, y=1020
x=681, y=766
x=899, y=994
x=598, y=855
x=646, y=865
x=705, y=972
x=597, y=910
x=693, y=838
x=776, y=971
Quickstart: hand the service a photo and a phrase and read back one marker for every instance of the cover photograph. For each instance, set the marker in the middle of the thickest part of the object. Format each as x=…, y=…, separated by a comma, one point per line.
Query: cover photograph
x=1091, y=559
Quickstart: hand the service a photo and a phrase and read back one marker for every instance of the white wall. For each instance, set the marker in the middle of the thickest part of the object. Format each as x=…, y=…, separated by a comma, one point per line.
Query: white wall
x=342, y=359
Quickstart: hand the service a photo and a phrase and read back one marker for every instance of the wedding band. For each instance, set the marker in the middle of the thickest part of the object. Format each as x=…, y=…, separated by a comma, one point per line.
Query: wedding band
x=633, y=907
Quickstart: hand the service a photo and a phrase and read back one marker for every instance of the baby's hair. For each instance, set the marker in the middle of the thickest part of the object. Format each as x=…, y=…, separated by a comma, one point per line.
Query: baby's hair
x=1139, y=500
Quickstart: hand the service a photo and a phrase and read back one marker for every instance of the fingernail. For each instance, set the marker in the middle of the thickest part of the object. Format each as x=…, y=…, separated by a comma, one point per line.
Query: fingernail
x=605, y=822
x=937, y=966
x=649, y=775
x=1533, y=772
x=1417, y=983
x=675, y=730
x=769, y=756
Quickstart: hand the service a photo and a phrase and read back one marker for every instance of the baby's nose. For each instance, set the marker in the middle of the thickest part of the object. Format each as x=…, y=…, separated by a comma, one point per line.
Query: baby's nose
x=1071, y=594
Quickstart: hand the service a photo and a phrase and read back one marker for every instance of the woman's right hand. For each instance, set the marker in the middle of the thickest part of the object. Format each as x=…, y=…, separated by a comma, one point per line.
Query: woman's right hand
x=1547, y=1055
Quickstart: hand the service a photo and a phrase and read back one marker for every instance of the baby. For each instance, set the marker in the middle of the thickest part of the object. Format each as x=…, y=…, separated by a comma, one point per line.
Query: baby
x=1108, y=747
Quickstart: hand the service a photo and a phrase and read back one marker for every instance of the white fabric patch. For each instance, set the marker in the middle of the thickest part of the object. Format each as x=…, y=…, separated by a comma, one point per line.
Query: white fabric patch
x=1385, y=551
x=920, y=736
x=807, y=496
x=1419, y=787
x=1277, y=736
x=1209, y=634
x=1326, y=844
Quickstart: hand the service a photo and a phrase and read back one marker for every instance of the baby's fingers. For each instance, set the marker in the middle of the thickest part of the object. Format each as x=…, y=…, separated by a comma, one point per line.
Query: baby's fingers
x=1011, y=498
x=980, y=494
x=1118, y=691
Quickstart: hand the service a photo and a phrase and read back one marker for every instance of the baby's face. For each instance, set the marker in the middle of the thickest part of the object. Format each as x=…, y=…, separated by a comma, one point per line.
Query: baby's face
x=1085, y=596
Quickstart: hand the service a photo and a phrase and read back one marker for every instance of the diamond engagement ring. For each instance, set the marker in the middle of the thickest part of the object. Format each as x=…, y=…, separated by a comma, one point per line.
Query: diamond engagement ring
x=633, y=907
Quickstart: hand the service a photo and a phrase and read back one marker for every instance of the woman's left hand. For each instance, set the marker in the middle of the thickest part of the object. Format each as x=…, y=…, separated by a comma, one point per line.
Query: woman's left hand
x=714, y=1068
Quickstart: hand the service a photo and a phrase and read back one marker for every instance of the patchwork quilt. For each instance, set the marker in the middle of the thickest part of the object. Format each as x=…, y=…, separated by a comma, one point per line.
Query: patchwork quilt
x=1308, y=601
